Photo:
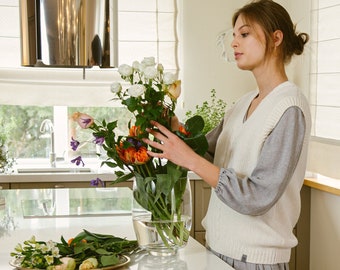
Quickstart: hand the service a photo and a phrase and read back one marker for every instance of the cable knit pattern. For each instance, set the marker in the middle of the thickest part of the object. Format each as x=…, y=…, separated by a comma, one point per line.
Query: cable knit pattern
x=268, y=238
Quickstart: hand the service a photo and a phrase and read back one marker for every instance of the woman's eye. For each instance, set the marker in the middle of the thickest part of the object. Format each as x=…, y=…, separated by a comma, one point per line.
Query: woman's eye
x=244, y=34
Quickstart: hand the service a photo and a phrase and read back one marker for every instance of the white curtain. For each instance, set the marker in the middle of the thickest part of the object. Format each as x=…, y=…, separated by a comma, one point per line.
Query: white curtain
x=324, y=151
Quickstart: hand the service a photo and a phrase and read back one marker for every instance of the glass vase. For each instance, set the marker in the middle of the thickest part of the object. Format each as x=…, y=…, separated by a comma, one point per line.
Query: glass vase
x=162, y=214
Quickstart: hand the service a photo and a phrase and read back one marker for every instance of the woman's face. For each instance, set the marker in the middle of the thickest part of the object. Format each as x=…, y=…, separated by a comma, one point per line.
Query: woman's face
x=249, y=45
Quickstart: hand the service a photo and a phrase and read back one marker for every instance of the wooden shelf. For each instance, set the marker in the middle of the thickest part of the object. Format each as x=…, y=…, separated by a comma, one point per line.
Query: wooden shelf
x=320, y=182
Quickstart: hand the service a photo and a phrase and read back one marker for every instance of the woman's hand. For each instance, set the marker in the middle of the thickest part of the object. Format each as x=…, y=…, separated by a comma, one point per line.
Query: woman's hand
x=173, y=148
x=177, y=151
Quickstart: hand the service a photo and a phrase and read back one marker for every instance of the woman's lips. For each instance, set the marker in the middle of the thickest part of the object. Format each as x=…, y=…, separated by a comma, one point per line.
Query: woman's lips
x=237, y=55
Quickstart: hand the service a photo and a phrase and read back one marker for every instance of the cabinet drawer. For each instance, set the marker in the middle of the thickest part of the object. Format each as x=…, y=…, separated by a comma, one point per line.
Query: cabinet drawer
x=4, y=185
x=202, y=197
x=200, y=237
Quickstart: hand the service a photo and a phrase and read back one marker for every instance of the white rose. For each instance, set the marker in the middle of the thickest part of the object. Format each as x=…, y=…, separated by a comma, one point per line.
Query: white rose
x=116, y=87
x=125, y=70
x=150, y=72
x=88, y=264
x=168, y=78
x=136, y=65
x=174, y=90
x=160, y=67
x=136, y=90
x=149, y=61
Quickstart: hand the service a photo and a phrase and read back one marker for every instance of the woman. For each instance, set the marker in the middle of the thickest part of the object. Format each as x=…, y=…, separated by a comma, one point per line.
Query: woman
x=259, y=150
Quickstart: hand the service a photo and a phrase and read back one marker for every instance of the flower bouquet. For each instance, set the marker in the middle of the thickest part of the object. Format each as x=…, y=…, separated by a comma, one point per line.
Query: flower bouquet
x=149, y=93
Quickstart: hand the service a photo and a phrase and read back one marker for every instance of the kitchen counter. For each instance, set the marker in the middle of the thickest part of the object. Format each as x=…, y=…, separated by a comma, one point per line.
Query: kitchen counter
x=101, y=210
x=55, y=177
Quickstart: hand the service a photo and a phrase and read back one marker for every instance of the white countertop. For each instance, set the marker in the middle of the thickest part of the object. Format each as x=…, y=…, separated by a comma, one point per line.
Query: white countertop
x=16, y=229
x=104, y=175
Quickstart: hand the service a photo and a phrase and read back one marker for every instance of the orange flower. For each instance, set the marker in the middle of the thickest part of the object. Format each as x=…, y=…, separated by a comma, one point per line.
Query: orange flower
x=69, y=242
x=132, y=155
x=141, y=156
x=126, y=154
x=183, y=131
x=129, y=155
x=135, y=131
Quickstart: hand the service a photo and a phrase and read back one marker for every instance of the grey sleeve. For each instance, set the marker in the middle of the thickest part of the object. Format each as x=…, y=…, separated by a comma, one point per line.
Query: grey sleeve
x=212, y=137
x=256, y=194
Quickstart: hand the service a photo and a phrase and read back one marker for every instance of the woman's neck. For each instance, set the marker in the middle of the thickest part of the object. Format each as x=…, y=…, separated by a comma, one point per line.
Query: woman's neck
x=268, y=78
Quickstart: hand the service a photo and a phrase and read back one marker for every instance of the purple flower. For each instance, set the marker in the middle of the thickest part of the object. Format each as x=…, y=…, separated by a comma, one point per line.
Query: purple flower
x=99, y=140
x=136, y=143
x=78, y=160
x=96, y=182
x=86, y=121
x=74, y=144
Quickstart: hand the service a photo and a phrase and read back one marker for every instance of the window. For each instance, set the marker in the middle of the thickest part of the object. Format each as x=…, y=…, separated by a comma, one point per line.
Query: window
x=144, y=28
x=325, y=71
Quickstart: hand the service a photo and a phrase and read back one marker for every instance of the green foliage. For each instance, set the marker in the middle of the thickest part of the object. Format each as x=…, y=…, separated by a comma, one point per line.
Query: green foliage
x=35, y=254
x=196, y=139
x=107, y=249
x=212, y=113
x=20, y=125
x=6, y=163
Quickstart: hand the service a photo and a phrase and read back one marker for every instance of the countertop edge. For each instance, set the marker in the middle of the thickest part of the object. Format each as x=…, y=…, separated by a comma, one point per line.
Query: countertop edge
x=323, y=183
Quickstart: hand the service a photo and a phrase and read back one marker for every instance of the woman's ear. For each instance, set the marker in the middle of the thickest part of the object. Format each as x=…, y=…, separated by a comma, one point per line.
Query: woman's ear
x=277, y=37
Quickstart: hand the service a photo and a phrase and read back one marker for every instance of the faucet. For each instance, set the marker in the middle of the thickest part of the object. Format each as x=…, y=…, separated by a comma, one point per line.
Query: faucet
x=47, y=127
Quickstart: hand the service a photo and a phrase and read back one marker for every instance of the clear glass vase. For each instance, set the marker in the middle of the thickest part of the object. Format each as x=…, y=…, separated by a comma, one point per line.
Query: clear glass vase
x=162, y=214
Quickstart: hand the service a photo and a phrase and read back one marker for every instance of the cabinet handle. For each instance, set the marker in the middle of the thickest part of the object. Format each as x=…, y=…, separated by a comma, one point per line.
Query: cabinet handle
x=59, y=186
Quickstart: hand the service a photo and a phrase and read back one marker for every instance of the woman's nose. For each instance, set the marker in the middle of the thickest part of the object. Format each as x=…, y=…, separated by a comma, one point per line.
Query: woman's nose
x=233, y=43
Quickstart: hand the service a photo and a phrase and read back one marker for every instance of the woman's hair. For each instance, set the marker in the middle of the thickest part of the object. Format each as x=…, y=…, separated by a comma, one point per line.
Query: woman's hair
x=271, y=17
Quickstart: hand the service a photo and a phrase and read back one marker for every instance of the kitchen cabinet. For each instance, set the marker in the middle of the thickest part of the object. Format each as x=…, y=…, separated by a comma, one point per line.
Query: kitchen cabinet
x=200, y=206
x=4, y=185
x=300, y=254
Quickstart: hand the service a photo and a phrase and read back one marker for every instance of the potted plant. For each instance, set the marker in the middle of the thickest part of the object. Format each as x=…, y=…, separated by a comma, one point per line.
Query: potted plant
x=212, y=112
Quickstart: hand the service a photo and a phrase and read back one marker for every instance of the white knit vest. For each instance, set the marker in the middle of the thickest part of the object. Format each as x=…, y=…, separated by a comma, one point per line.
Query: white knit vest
x=268, y=238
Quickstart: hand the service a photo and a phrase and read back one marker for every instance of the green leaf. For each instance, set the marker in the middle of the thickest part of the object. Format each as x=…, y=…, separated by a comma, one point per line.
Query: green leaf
x=122, y=177
x=164, y=185
x=109, y=260
x=194, y=124
x=102, y=251
x=199, y=144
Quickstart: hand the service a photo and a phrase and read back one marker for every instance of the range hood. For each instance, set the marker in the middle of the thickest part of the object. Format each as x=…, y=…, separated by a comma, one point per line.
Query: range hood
x=66, y=33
